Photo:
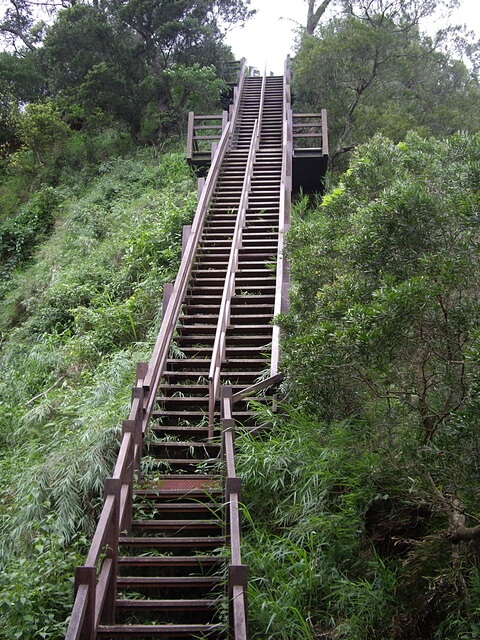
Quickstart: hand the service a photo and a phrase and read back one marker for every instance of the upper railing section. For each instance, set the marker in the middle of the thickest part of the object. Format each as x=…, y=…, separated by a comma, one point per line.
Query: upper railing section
x=204, y=131
x=309, y=137
x=310, y=132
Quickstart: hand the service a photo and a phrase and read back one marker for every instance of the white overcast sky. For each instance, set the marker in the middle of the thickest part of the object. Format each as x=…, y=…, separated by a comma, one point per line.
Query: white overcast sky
x=269, y=37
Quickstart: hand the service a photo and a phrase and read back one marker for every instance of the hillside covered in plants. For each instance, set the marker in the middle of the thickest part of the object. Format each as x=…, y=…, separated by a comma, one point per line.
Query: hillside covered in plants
x=363, y=503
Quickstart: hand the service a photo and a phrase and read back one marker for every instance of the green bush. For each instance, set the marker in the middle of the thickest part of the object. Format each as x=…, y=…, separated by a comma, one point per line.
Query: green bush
x=36, y=589
x=382, y=338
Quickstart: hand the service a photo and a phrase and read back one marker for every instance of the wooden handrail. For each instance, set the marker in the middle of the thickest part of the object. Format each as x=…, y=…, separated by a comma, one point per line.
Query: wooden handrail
x=272, y=381
x=95, y=582
x=261, y=107
x=95, y=596
x=218, y=352
x=237, y=92
x=237, y=572
x=79, y=612
x=282, y=274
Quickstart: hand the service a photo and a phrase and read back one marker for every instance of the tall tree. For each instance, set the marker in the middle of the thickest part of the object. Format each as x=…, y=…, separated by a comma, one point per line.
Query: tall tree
x=411, y=10
x=375, y=71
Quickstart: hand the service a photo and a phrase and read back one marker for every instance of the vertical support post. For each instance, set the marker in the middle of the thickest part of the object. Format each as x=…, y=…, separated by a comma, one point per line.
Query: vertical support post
x=185, y=236
x=237, y=576
x=167, y=292
x=190, y=127
x=128, y=426
x=141, y=371
x=224, y=119
x=113, y=487
x=324, y=133
x=87, y=576
x=200, y=186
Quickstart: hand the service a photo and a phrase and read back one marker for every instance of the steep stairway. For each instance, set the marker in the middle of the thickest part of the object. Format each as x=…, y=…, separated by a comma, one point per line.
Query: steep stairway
x=165, y=559
x=171, y=565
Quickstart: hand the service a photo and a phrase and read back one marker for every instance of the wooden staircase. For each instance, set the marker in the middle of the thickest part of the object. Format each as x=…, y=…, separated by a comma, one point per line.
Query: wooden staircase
x=158, y=566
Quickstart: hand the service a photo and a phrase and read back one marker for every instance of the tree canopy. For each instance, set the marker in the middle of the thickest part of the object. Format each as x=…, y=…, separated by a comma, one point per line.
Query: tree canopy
x=374, y=70
x=126, y=59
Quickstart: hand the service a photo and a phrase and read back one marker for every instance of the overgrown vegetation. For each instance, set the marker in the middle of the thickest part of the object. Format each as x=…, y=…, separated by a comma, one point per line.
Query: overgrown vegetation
x=76, y=317
x=364, y=504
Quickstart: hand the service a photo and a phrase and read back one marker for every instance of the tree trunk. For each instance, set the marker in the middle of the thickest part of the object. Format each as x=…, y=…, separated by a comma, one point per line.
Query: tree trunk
x=314, y=15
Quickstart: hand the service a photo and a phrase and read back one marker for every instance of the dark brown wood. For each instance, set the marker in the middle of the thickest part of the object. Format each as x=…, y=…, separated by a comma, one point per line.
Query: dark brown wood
x=82, y=623
x=113, y=487
x=218, y=353
x=272, y=381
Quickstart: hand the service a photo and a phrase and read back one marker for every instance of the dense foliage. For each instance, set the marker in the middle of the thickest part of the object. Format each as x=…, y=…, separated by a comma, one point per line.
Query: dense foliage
x=374, y=71
x=365, y=501
x=81, y=306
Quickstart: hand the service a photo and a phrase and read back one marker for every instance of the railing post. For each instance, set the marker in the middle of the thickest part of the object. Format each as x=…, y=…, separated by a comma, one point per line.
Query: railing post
x=224, y=119
x=129, y=426
x=138, y=392
x=113, y=487
x=86, y=577
x=190, y=126
x=237, y=576
x=186, y=230
x=324, y=133
x=167, y=292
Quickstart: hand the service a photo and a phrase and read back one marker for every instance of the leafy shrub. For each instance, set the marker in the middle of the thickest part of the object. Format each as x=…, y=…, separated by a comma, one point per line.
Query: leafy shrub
x=20, y=235
x=36, y=589
x=382, y=338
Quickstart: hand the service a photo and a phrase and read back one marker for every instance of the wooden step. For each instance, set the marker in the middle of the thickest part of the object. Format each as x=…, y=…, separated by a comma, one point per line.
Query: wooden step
x=184, y=562
x=173, y=542
x=167, y=605
x=162, y=632
x=171, y=582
